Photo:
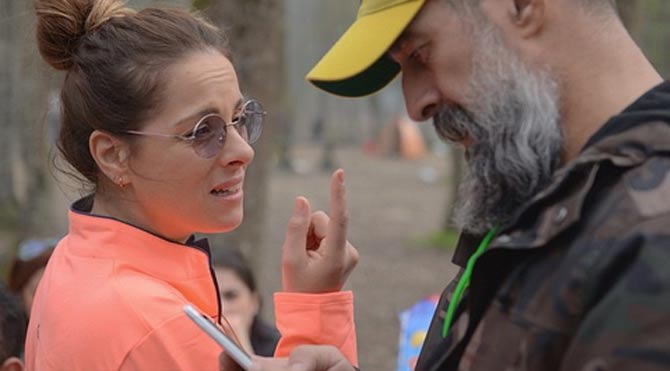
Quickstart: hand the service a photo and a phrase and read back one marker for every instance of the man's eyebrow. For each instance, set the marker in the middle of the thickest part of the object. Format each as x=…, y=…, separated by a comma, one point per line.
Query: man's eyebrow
x=400, y=44
x=397, y=44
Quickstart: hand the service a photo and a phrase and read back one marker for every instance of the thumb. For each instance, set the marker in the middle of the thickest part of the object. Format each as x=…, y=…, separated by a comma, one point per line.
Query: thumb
x=269, y=364
x=318, y=358
x=296, y=232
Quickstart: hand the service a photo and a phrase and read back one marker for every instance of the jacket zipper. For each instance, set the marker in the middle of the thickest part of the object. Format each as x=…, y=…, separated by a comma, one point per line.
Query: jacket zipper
x=216, y=283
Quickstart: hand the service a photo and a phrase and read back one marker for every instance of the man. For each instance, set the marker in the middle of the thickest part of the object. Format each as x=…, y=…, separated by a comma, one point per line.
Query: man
x=13, y=323
x=565, y=207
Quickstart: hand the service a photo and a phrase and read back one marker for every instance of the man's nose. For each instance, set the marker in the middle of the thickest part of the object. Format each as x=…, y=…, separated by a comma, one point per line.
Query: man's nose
x=421, y=99
x=428, y=111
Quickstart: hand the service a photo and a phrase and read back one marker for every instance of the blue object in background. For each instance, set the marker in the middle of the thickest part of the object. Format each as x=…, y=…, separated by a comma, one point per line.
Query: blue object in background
x=414, y=324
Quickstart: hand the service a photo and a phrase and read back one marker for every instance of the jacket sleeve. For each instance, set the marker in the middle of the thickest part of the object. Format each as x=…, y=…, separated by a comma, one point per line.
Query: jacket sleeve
x=326, y=319
x=629, y=326
x=178, y=344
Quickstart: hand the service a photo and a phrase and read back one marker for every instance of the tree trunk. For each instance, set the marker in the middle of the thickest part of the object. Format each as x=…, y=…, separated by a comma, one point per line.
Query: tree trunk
x=8, y=10
x=24, y=94
x=25, y=184
x=254, y=28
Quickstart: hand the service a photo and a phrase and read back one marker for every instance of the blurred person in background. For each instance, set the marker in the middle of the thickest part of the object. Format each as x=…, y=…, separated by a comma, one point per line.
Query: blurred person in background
x=565, y=206
x=13, y=323
x=27, y=268
x=242, y=302
x=153, y=119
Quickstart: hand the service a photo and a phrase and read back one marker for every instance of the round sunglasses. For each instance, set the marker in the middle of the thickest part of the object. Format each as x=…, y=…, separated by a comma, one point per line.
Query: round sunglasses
x=209, y=133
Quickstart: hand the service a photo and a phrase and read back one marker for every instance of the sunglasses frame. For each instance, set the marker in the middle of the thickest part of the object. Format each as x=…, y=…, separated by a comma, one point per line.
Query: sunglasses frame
x=221, y=137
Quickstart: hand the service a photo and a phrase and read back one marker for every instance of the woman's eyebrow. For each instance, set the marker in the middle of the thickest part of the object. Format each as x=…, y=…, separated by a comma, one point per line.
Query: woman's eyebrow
x=207, y=111
x=197, y=115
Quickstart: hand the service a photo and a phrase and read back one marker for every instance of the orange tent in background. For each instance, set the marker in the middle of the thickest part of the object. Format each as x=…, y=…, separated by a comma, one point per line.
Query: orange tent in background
x=412, y=145
x=402, y=137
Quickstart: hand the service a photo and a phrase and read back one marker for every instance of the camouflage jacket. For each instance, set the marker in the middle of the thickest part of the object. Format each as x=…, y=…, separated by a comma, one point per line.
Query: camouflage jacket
x=580, y=281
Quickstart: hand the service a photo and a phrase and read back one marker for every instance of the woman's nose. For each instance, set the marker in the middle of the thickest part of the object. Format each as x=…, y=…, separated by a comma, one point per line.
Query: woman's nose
x=236, y=149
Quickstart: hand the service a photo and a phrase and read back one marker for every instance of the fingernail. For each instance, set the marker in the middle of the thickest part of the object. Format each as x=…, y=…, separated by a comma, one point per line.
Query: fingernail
x=299, y=207
x=340, y=177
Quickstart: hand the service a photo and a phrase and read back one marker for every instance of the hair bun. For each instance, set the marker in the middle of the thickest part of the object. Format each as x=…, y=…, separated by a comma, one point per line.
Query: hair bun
x=62, y=23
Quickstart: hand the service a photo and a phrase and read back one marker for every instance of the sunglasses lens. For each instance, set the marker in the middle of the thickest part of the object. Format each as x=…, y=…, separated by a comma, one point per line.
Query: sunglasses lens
x=209, y=136
x=251, y=122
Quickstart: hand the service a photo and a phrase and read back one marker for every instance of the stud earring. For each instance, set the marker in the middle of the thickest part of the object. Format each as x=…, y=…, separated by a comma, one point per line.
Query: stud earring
x=121, y=182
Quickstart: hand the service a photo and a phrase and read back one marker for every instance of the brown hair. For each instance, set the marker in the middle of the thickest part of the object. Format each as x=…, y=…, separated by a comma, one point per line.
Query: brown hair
x=114, y=58
x=21, y=271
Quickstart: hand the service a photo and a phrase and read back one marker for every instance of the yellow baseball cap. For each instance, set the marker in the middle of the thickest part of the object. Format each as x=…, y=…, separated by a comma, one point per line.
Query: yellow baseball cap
x=357, y=64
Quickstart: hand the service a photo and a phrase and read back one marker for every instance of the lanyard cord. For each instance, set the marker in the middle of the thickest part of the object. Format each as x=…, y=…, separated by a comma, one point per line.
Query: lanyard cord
x=464, y=281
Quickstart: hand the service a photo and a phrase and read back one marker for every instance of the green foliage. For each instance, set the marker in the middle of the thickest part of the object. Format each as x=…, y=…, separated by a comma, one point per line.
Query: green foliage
x=200, y=4
x=443, y=239
x=648, y=22
x=654, y=34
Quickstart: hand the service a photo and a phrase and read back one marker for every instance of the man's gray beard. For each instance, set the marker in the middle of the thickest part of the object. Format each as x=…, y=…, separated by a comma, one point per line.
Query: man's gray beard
x=511, y=117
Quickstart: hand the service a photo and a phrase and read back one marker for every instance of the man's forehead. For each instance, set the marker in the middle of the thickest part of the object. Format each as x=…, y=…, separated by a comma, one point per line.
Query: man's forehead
x=416, y=29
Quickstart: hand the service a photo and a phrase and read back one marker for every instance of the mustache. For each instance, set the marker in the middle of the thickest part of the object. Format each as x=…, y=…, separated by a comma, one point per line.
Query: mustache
x=449, y=124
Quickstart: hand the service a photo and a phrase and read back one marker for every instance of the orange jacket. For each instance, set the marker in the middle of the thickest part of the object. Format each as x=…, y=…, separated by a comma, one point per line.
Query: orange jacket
x=112, y=295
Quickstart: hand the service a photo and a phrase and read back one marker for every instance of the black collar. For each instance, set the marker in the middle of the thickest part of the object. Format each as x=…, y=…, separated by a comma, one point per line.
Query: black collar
x=654, y=105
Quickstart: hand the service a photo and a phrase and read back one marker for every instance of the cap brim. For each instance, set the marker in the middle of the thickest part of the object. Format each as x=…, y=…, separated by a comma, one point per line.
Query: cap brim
x=357, y=64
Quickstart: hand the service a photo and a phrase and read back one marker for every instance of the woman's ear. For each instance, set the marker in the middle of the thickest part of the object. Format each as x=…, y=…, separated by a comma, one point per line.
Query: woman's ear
x=111, y=154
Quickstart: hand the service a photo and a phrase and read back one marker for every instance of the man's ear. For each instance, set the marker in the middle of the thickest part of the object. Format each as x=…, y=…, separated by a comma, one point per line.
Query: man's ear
x=12, y=364
x=529, y=16
x=111, y=155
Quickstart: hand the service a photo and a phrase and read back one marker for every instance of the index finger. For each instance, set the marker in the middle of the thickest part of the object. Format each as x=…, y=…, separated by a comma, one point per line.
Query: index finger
x=339, y=214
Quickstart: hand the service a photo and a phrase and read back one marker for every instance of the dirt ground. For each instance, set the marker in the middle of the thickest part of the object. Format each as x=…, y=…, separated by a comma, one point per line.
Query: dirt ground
x=393, y=203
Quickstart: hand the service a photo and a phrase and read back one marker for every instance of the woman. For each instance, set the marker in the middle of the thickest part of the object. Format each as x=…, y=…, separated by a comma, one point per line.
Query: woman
x=242, y=303
x=28, y=267
x=153, y=118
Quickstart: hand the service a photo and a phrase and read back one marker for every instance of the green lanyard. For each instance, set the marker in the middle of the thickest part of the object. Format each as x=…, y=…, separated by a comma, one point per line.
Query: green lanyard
x=464, y=281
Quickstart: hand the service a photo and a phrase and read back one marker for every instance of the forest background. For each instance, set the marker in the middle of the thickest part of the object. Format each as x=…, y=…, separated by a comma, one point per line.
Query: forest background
x=400, y=204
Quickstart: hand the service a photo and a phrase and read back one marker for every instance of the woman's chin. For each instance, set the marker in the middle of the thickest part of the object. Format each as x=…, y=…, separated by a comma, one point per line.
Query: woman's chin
x=223, y=227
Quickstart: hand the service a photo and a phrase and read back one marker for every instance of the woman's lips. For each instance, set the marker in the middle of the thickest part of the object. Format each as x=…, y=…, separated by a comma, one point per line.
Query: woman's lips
x=231, y=189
